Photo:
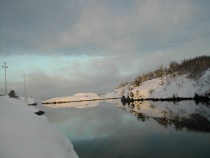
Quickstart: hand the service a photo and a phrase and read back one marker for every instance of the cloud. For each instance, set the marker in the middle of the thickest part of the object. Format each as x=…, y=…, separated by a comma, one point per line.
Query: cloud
x=107, y=42
x=49, y=26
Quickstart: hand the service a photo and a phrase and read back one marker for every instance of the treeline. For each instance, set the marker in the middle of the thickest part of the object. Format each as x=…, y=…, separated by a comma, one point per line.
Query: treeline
x=193, y=68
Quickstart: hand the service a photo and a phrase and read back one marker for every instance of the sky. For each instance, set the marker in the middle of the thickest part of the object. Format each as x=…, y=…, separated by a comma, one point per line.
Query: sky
x=70, y=46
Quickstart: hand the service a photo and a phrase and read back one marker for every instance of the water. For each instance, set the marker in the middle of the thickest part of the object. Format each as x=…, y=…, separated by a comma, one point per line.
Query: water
x=148, y=129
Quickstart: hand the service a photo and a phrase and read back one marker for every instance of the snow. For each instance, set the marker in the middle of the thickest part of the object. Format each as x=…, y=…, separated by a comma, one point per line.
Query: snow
x=79, y=100
x=167, y=86
x=24, y=134
x=74, y=98
x=164, y=87
x=29, y=100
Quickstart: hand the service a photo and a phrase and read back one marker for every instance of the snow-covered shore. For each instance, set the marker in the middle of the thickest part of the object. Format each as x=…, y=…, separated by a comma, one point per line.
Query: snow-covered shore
x=24, y=134
x=164, y=87
x=79, y=100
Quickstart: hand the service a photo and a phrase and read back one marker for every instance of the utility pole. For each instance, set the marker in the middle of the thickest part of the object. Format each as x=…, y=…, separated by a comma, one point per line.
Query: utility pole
x=25, y=87
x=5, y=67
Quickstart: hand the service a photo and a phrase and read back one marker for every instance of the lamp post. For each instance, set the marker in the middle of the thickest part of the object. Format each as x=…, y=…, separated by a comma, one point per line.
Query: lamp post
x=5, y=68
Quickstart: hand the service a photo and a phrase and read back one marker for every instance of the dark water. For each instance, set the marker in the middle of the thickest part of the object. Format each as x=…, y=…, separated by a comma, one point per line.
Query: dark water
x=133, y=131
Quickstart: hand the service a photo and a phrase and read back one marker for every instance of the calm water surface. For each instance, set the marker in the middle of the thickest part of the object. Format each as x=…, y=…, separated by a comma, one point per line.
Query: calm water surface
x=138, y=130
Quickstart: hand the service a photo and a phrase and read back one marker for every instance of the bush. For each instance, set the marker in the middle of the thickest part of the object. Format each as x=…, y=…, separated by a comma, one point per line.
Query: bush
x=12, y=94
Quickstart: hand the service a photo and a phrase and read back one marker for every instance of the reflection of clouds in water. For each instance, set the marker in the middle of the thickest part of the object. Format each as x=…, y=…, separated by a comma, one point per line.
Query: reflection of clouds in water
x=108, y=128
x=111, y=120
x=88, y=123
x=149, y=143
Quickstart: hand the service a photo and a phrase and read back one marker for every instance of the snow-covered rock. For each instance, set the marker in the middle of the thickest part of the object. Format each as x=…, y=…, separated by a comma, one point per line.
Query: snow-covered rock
x=23, y=134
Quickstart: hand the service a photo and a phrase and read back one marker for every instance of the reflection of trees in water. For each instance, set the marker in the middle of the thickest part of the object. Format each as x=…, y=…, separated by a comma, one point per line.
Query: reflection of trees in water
x=142, y=117
x=163, y=121
x=194, y=122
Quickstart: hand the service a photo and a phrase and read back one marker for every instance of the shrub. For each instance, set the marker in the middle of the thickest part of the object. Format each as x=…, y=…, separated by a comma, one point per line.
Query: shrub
x=12, y=94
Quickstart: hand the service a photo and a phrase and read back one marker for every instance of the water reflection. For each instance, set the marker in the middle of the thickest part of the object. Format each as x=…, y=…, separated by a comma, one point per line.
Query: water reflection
x=183, y=115
x=79, y=104
x=141, y=129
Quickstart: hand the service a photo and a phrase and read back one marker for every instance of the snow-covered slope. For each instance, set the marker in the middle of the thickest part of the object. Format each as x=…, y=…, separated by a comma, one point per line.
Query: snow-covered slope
x=167, y=87
x=23, y=134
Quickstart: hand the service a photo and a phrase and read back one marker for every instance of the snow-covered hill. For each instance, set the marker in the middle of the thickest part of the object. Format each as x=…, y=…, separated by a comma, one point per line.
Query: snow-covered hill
x=79, y=100
x=74, y=98
x=24, y=134
x=166, y=87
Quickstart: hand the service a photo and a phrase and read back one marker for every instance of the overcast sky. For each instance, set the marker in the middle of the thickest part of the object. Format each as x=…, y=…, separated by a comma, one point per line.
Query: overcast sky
x=69, y=46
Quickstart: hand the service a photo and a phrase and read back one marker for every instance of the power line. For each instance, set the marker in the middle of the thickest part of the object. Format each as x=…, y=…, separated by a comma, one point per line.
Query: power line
x=94, y=45
x=93, y=60
x=122, y=37
x=131, y=53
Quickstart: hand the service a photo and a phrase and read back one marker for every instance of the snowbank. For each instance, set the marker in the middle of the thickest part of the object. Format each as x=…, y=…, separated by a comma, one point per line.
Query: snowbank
x=23, y=134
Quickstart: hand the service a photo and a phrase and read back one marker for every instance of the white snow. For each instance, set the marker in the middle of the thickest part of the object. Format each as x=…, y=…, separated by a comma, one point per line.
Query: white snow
x=29, y=100
x=167, y=86
x=164, y=87
x=79, y=100
x=24, y=134
x=74, y=98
